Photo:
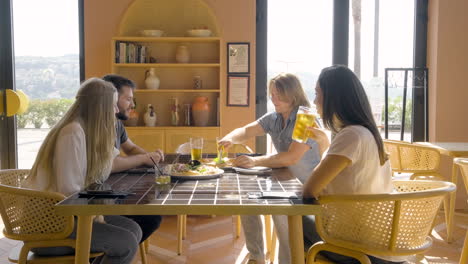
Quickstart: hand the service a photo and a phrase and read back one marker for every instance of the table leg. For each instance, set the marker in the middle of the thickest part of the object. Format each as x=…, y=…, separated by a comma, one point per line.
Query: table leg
x=83, y=239
x=296, y=239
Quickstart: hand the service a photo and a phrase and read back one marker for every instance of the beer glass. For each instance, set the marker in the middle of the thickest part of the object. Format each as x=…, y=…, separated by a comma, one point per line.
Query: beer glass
x=196, y=147
x=305, y=118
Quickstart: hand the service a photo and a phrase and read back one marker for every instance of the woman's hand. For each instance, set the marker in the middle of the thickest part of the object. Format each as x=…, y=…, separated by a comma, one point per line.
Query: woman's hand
x=244, y=162
x=320, y=136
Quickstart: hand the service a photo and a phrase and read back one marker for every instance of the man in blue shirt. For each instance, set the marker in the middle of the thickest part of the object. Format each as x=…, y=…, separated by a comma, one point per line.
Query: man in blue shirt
x=287, y=95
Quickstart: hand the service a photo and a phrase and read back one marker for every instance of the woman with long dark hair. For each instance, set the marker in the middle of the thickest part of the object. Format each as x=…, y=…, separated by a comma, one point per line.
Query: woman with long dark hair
x=356, y=162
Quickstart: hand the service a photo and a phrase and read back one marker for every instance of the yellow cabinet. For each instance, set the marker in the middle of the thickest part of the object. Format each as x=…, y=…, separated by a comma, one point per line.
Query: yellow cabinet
x=149, y=139
x=176, y=137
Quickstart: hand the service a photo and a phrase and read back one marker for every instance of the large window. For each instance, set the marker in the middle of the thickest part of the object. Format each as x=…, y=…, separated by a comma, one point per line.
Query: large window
x=46, y=47
x=381, y=35
x=299, y=40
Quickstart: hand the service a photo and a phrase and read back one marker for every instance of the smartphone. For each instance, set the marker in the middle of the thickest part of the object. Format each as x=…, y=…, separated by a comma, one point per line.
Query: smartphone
x=279, y=195
x=97, y=188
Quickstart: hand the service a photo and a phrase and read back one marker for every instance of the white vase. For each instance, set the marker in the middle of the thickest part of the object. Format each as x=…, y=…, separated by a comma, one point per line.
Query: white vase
x=150, y=116
x=182, y=54
x=151, y=80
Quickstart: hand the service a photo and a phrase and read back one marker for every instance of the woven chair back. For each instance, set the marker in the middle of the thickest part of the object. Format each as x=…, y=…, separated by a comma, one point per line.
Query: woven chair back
x=412, y=158
x=383, y=224
x=29, y=215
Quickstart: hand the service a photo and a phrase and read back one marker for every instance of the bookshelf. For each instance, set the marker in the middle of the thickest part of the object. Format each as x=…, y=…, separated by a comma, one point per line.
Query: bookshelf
x=176, y=79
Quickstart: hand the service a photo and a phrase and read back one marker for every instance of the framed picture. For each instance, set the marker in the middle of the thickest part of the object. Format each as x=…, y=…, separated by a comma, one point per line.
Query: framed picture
x=238, y=90
x=238, y=58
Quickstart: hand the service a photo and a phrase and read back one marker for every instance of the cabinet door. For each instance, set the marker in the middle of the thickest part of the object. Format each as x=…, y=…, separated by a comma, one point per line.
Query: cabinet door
x=174, y=138
x=149, y=139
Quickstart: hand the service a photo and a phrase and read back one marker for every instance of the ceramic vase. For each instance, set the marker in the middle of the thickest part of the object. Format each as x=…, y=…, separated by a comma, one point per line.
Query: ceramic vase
x=150, y=116
x=182, y=54
x=200, y=111
x=175, y=112
x=151, y=80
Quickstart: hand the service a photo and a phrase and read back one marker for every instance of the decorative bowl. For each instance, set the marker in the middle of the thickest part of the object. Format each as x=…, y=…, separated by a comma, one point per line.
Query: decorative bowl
x=199, y=33
x=152, y=32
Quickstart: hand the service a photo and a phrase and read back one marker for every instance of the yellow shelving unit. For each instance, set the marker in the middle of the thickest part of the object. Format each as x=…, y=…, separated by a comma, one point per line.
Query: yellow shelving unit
x=176, y=79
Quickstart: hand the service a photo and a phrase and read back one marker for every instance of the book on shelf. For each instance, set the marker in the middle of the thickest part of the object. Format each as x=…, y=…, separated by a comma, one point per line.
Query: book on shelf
x=130, y=52
x=123, y=52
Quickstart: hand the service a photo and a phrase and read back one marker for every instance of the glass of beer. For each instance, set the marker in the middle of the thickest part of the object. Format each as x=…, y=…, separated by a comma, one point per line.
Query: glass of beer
x=305, y=118
x=196, y=147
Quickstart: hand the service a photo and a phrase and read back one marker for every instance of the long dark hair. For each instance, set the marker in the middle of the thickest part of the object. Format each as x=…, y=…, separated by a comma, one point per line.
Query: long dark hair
x=345, y=98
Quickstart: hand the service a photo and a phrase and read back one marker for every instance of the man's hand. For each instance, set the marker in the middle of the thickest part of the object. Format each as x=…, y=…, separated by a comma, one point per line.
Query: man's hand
x=226, y=143
x=244, y=162
x=157, y=156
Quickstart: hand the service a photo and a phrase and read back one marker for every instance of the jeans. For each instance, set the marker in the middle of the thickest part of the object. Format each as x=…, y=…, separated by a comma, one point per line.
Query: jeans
x=118, y=238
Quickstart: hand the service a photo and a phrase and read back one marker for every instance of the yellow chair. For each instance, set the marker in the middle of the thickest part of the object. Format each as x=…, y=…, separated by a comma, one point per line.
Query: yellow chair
x=421, y=161
x=462, y=165
x=29, y=216
x=396, y=224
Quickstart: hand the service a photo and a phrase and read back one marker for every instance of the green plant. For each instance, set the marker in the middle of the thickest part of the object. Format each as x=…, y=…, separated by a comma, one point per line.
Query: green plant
x=54, y=110
x=36, y=112
x=395, y=111
x=22, y=120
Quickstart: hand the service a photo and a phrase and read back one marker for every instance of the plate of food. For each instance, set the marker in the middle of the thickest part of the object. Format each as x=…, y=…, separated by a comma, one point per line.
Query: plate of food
x=257, y=170
x=193, y=171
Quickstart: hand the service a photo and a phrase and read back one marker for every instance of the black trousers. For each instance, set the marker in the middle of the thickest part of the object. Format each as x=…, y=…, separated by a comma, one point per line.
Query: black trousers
x=147, y=223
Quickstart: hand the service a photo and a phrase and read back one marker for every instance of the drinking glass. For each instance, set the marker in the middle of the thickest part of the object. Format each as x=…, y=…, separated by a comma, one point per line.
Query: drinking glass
x=305, y=117
x=196, y=147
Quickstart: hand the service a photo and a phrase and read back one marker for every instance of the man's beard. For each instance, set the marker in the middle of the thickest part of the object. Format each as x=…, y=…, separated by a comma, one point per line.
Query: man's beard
x=121, y=116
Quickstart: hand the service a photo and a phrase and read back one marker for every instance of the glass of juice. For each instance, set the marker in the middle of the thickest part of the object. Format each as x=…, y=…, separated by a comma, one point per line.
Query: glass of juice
x=305, y=118
x=196, y=147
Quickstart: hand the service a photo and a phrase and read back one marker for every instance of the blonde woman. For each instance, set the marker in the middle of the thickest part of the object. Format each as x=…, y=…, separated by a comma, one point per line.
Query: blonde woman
x=79, y=151
x=287, y=95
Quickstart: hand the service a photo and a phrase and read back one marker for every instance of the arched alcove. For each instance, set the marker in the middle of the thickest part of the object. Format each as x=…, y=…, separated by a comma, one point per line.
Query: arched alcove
x=174, y=17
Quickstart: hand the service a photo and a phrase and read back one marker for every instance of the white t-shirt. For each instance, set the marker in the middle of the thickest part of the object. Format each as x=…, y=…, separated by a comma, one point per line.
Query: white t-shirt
x=364, y=175
x=69, y=162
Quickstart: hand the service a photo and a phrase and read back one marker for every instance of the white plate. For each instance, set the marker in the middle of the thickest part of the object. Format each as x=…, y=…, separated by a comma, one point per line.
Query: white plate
x=218, y=173
x=253, y=170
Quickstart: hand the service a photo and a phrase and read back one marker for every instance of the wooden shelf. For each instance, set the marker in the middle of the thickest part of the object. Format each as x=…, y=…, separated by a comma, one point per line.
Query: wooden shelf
x=167, y=65
x=168, y=39
x=177, y=91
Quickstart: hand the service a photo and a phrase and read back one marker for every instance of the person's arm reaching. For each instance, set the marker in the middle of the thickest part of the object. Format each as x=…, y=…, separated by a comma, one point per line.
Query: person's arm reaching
x=242, y=134
x=283, y=159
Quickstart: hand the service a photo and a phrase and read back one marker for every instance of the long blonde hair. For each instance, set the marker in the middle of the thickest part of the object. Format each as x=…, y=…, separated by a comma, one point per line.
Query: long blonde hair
x=289, y=86
x=93, y=109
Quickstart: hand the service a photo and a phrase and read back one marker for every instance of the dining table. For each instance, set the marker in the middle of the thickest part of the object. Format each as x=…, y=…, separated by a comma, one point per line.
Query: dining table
x=231, y=193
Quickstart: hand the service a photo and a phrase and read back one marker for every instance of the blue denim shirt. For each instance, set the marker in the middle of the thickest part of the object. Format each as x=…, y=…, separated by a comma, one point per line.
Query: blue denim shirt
x=272, y=124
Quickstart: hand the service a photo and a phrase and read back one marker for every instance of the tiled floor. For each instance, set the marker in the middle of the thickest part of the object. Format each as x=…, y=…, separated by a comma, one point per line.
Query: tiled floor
x=212, y=240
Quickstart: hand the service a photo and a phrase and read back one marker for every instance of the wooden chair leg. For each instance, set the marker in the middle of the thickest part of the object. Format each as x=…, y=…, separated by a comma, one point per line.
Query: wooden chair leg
x=238, y=226
x=179, y=234
x=464, y=254
x=449, y=206
x=143, y=253
x=272, y=255
x=146, y=244
x=268, y=234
